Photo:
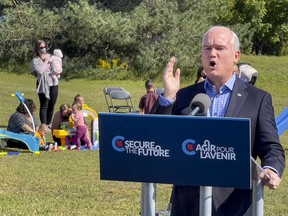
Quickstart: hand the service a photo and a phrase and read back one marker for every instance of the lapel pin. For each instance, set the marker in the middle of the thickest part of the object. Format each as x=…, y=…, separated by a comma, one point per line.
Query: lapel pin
x=239, y=95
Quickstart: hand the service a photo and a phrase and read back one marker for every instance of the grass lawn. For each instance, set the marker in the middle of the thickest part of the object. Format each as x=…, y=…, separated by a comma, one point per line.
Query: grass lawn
x=68, y=182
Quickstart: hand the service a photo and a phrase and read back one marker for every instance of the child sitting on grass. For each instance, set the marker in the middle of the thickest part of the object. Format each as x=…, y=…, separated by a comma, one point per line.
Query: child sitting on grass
x=80, y=126
x=41, y=134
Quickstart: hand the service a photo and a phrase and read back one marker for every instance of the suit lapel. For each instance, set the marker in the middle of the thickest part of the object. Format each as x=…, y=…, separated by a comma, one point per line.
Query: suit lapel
x=237, y=98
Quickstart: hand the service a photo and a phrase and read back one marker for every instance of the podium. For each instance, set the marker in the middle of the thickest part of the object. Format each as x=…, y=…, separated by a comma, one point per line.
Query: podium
x=180, y=150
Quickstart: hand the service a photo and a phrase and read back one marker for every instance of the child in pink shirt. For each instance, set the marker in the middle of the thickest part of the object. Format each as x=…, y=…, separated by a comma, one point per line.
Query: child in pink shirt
x=56, y=62
x=80, y=126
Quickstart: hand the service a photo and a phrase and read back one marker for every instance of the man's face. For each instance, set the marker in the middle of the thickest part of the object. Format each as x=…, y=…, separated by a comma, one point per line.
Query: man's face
x=218, y=55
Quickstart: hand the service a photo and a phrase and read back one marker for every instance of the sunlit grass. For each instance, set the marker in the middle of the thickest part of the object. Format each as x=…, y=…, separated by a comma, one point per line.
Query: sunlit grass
x=68, y=182
x=65, y=183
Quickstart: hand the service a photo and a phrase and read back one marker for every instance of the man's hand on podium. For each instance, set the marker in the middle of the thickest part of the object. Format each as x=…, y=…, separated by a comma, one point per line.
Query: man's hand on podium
x=270, y=179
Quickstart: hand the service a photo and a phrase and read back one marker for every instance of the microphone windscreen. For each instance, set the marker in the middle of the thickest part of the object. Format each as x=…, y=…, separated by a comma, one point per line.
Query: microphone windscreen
x=202, y=101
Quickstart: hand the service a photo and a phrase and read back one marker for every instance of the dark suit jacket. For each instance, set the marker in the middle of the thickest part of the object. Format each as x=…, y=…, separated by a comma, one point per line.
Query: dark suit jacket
x=249, y=102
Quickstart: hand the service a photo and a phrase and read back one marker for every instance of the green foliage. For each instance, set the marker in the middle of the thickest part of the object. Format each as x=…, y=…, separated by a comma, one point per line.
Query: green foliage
x=23, y=25
x=120, y=5
x=93, y=33
x=142, y=33
x=167, y=29
x=275, y=35
x=116, y=69
x=269, y=22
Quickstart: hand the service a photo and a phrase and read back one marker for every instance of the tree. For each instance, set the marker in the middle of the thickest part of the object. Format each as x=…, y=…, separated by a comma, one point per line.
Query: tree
x=272, y=37
x=24, y=24
x=266, y=21
x=143, y=34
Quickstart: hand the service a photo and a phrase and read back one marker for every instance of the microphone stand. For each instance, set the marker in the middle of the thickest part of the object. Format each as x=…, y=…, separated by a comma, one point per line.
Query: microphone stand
x=194, y=111
x=205, y=205
x=205, y=197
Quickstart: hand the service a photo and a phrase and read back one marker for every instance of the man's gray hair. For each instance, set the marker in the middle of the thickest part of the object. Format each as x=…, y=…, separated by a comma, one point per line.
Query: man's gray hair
x=235, y=40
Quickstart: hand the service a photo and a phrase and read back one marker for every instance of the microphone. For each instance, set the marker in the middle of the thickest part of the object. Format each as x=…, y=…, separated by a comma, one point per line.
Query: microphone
x=200, y=104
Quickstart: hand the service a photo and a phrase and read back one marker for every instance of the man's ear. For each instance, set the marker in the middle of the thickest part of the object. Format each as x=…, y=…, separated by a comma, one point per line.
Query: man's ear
x=237, y=55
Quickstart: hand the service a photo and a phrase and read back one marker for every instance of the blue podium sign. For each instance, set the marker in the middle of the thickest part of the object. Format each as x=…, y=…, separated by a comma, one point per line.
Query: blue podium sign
x=181, y=150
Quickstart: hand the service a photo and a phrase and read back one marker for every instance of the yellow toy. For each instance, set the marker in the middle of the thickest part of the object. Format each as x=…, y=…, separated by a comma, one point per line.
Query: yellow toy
x=87, y=112
x=62, y=134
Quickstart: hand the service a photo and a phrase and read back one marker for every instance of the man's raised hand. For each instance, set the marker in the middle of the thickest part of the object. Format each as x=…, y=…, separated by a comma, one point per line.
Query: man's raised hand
x=171, y=81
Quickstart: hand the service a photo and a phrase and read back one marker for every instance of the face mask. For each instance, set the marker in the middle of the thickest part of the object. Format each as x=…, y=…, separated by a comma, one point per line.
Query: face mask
x=43, y=50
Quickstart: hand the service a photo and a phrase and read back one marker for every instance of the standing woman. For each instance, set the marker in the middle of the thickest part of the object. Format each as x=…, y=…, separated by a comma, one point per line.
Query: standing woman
x=47, y=82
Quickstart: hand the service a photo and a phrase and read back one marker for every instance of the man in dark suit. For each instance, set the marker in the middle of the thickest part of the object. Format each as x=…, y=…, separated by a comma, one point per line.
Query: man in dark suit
x=230, y=97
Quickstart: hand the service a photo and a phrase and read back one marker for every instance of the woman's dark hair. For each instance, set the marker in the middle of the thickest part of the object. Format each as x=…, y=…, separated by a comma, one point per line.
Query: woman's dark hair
x=62, y=108
x=37, y=46
x=30, y=105
x=199, y=74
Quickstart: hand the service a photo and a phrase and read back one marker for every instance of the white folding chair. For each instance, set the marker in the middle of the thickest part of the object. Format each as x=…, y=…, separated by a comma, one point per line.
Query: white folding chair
x=159, y=91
